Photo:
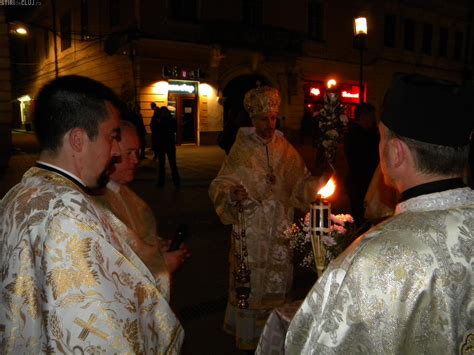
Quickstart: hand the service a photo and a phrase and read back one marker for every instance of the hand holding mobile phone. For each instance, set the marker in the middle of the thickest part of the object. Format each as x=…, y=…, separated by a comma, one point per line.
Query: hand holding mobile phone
x=179, y=237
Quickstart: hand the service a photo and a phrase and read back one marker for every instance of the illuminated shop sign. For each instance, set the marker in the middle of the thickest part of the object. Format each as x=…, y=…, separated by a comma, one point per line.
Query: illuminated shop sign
x=315, y=90
x=350, y=93
x=175, y=72
x=182, y=87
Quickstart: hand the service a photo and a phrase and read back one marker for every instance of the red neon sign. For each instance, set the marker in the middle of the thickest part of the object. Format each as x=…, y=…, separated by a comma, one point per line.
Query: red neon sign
x=350, y=93
x=315, y=91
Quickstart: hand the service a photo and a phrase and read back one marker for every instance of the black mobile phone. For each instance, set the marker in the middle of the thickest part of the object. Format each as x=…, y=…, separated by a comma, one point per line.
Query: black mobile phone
x=180, y=235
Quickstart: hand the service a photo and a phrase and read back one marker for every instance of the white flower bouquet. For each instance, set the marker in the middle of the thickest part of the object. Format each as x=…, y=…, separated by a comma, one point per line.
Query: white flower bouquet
x=332, y=123
x=298, y=236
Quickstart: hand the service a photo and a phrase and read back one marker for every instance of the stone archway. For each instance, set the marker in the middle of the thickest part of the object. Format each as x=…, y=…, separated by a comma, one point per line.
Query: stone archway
x=235, y=91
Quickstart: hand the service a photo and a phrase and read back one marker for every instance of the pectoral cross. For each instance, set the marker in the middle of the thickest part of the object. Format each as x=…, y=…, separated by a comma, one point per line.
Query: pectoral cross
x=88, y=328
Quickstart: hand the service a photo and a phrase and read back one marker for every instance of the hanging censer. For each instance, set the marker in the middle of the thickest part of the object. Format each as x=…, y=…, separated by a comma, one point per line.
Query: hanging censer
x=320, y=227
x=241, y=272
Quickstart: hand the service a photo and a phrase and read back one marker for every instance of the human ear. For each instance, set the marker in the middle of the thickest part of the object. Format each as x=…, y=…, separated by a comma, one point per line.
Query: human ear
x=400, y=153
x=76, y=139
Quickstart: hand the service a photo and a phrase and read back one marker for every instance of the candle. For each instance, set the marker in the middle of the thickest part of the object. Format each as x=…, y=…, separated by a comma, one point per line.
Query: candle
x=321, y=225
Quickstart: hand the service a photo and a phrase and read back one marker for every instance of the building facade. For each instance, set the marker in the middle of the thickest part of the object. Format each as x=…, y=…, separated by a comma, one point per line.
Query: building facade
x=5, y=95
x=200, y=57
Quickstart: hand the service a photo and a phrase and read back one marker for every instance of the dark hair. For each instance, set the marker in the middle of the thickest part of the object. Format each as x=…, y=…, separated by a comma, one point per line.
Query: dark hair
x=70, y=102
x=362, y=109
x=165, y=111
x=435, y=159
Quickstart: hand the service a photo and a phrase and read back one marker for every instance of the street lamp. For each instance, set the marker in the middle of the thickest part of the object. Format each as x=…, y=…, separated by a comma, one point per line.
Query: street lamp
x=360, y=43
x=20, y=29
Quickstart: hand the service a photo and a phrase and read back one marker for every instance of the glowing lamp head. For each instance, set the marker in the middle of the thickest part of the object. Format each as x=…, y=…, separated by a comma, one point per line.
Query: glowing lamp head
x=331, y=83
x=360, y=26
x=328, y=189
x=21, y=31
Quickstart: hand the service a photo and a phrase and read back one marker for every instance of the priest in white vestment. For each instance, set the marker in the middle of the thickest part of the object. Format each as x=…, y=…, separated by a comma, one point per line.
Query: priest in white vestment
x=406, y=286
x=266, y=177
x=132, y=217
x=69, y=282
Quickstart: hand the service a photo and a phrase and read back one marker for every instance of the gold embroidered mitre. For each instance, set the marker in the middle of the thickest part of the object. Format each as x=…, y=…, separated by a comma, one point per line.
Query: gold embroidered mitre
x=261, y=100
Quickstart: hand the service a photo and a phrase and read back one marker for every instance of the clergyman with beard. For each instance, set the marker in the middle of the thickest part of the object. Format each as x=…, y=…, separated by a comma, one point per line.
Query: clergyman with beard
x=67, y=276
x=264, y=177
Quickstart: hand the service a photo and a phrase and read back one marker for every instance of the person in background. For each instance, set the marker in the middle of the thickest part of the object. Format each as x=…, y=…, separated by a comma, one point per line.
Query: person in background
x=361, y=150
x=133, y=115
x=141, y=130
x=166, y=134
x=154, y=123
x=406, y=286
x=265, y=178
x=235, y=121
x=132, y=217
x=69, y=281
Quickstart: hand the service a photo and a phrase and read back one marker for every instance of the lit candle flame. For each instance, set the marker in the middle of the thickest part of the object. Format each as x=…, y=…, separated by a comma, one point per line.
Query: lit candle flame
x=328, y=189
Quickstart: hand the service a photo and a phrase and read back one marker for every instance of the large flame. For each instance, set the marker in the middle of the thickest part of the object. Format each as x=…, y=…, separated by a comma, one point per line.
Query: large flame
x=328, y=189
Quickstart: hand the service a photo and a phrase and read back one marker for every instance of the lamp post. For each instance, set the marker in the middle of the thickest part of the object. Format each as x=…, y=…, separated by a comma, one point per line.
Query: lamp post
x=360, y=42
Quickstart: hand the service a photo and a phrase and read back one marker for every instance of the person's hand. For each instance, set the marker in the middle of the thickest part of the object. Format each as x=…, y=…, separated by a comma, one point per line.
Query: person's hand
x=174, y=259
x=146, y=251
x=238, y=193
x=339, y=221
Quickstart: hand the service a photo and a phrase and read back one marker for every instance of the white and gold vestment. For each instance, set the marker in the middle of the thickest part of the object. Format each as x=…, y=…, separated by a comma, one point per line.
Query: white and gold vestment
x=277, y=181
x=69, y=282
x=130, y=216
x=404, y=287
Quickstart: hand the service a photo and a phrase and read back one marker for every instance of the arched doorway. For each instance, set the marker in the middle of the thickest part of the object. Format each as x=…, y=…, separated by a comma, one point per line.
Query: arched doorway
x=235, y=91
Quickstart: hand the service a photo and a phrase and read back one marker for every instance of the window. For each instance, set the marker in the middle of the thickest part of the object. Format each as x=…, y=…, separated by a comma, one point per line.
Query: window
x=25, y=102
x=409, y=35
x=65, y=28
x=458, y=45
x=114, y=13
x=316, y=20
x=427, y=40
x=184, y=10
x=252, y=12
x=443, y=42
x=390, y=30
x=84, y=19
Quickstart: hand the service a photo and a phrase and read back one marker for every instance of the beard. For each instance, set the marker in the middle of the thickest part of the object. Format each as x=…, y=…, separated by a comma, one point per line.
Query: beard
x=105, y=176
x=102, y=180
x=267, y=133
